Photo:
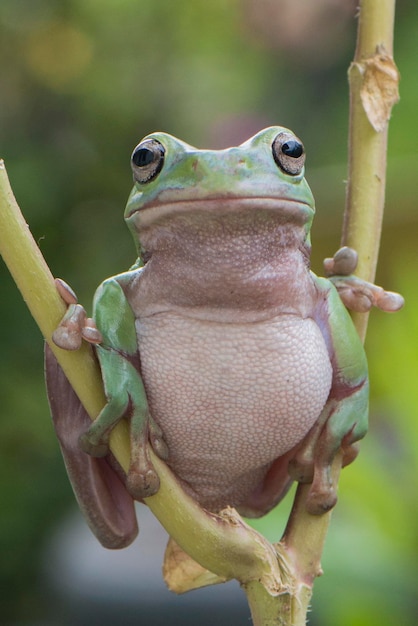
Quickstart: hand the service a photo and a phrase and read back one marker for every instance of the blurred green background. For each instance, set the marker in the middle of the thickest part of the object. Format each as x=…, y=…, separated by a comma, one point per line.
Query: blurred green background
x=80, y=83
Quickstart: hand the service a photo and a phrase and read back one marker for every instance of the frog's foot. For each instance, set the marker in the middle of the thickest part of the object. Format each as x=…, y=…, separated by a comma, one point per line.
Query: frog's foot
x=358, y=294
x=142, y=479
x=313, y=463
x=75, y=324
x=322, y=494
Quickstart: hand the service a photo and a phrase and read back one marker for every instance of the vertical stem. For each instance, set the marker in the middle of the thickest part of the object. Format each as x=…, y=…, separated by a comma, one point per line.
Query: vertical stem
x=373, y=80
x=267, y=610
x=373, y=90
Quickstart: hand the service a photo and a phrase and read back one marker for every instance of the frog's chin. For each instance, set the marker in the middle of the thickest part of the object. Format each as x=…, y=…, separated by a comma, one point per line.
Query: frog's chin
x=287, y=210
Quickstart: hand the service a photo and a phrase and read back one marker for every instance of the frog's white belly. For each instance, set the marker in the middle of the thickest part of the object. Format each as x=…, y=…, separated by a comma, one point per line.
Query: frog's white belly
x=232, y=398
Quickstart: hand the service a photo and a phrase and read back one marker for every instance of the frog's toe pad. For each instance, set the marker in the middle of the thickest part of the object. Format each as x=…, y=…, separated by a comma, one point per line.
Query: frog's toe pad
x=320, y=502
x=160, y=447
x=142, y=484
x=344, y=262
x=390, y=302
x=93, y=449
x=90, y=332
x=67, y=338
x=157, y=440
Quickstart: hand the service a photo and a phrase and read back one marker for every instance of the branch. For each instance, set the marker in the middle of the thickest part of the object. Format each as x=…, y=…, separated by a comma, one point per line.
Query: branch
x=373, y=80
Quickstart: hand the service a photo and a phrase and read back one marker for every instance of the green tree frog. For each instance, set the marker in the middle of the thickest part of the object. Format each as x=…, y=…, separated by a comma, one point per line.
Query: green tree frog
x=230, y=358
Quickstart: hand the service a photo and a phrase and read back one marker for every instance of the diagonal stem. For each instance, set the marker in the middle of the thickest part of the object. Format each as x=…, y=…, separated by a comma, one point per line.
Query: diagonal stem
x=373, y=80
x=222, y=543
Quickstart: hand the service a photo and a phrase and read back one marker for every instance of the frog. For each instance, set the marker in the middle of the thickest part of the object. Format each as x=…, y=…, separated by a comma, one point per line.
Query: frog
x=235, y=363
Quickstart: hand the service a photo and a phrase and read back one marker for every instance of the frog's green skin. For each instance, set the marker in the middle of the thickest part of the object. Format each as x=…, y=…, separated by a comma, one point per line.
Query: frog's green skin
x=230, y=357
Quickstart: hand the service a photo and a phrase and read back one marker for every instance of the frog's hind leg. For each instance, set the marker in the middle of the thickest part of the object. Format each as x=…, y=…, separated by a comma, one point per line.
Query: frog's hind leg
x=323, y=492
x=101, y=495
x=142, y=480
x=126, y=399
x=95, y=440
x=336, y=432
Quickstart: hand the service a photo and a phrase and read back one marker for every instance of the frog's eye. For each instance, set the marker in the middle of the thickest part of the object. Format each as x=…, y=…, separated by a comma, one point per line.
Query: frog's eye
x=289, y=153
x=147, y=160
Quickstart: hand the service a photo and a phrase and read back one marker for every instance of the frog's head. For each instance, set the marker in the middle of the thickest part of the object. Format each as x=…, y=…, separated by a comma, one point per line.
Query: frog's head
x=177, y=186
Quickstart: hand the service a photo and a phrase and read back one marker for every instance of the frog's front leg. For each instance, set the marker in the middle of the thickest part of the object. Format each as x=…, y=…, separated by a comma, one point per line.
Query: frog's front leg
x=358, y=294
x=343, y=420
x=75, y=325
x=126, y=398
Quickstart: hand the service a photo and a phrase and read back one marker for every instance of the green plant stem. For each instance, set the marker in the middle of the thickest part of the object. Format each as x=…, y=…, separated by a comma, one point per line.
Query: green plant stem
x=368, y=144
x=305, y=534
x=229, y=548
x=36, y=284
x=300, y=550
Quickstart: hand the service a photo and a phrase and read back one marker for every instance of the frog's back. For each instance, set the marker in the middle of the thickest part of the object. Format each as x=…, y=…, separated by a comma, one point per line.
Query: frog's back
x=257, y=388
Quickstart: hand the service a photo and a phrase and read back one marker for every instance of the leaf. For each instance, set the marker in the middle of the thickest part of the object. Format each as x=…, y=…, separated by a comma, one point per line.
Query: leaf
x=379, y=91
x=182, y=573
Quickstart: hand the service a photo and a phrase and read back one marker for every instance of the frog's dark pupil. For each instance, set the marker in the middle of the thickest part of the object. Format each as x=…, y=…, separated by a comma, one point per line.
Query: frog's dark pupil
x=143, y=157
x=292, y=148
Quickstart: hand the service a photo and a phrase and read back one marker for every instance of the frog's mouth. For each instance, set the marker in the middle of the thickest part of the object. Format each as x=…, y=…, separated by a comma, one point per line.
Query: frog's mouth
x=284, y=209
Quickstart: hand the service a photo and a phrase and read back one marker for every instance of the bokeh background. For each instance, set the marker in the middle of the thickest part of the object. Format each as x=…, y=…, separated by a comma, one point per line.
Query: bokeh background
x=80, y=83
